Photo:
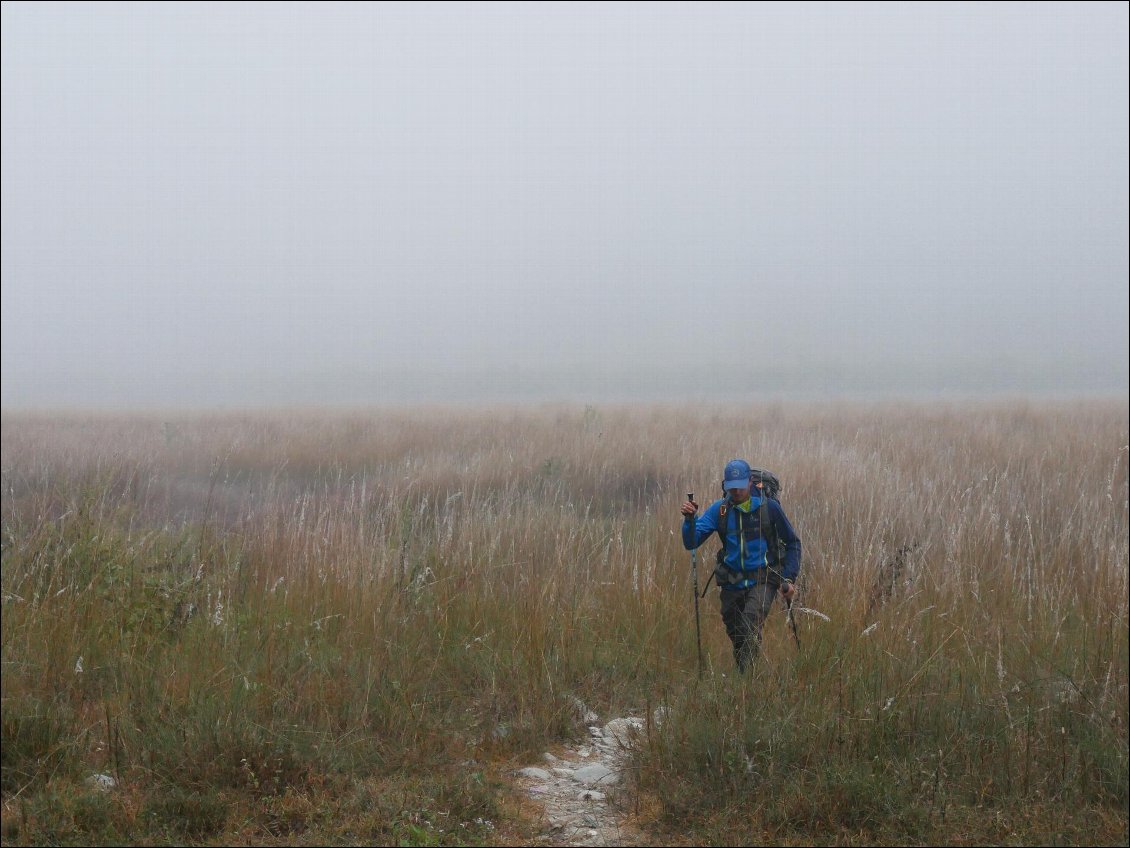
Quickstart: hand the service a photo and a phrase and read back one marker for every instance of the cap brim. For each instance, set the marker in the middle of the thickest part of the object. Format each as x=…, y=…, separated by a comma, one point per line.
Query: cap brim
x=736, y=484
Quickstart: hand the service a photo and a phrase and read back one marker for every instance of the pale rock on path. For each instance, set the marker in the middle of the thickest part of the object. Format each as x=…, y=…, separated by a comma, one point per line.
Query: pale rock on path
x=573, y=789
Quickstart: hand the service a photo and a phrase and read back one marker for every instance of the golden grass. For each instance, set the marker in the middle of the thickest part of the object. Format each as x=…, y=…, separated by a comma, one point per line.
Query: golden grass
x=397, y=592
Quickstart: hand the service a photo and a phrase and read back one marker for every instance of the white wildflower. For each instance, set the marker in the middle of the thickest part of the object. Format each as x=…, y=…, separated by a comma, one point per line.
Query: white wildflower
x=809, y=611
x=78, y=666
x=870, y=629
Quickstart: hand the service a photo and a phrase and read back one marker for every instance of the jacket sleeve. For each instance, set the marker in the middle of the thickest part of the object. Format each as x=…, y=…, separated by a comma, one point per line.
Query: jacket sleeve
x=697, y=531
x=791, y=539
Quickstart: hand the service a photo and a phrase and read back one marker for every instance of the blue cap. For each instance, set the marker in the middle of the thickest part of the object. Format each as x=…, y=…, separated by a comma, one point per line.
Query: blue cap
x=737, y=475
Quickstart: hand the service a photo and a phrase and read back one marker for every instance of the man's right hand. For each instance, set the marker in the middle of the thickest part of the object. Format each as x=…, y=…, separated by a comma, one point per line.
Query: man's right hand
x=690, y=509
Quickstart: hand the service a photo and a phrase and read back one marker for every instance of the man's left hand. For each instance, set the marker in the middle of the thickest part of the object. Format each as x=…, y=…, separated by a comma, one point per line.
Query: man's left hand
x=788, y=590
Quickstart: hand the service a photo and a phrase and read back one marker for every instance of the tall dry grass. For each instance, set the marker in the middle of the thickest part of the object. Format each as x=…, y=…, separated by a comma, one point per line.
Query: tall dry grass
x=285, y=621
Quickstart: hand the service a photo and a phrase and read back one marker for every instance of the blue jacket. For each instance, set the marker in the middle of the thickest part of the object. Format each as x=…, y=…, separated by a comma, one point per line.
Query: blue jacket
x=747, y=555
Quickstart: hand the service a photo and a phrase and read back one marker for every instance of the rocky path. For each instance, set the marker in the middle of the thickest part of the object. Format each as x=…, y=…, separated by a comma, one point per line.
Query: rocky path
x=576, y=788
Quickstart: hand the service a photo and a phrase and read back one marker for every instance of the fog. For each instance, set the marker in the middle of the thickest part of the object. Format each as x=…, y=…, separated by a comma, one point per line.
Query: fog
x=273, y=204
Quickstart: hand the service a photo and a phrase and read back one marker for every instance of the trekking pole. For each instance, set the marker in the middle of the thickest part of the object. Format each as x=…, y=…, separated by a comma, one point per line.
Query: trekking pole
x=792, y=620
x=788, y=609
x=694, y=575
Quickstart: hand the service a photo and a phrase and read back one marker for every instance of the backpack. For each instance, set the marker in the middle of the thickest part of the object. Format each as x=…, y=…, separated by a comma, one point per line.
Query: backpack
x=770, y=485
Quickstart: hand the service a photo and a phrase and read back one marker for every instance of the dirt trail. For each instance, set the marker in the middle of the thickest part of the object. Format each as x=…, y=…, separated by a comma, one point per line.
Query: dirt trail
x=577, y=787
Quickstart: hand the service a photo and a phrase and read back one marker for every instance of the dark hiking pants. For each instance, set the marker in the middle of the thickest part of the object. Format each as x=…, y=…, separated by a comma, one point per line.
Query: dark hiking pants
x=743, y=613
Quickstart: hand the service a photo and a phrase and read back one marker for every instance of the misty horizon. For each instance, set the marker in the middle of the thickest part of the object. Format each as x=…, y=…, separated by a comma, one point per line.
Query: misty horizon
x=330, y=203
x=709, y=384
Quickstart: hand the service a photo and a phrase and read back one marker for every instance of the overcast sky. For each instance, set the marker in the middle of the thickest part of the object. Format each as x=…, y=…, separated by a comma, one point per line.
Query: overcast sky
x=197, y=195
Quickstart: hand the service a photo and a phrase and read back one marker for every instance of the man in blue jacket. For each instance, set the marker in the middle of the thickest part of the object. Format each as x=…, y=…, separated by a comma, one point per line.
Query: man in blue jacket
x=760, y=554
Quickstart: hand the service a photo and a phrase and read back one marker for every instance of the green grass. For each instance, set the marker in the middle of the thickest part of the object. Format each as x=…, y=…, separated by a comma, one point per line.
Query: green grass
x=297, y=630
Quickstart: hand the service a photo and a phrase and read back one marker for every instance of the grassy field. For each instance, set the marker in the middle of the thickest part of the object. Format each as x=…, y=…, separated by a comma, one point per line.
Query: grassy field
x=336, y=628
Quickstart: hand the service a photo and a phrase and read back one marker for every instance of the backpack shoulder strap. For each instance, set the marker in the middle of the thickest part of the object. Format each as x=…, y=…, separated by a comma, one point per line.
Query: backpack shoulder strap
x=723, y=522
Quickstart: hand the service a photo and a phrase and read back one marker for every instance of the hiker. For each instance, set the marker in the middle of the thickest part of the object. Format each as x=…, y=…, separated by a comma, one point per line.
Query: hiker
x=760, y=553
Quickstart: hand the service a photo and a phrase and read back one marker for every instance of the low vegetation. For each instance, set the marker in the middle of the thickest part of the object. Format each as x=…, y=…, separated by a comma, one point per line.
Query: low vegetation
x=342, y=628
